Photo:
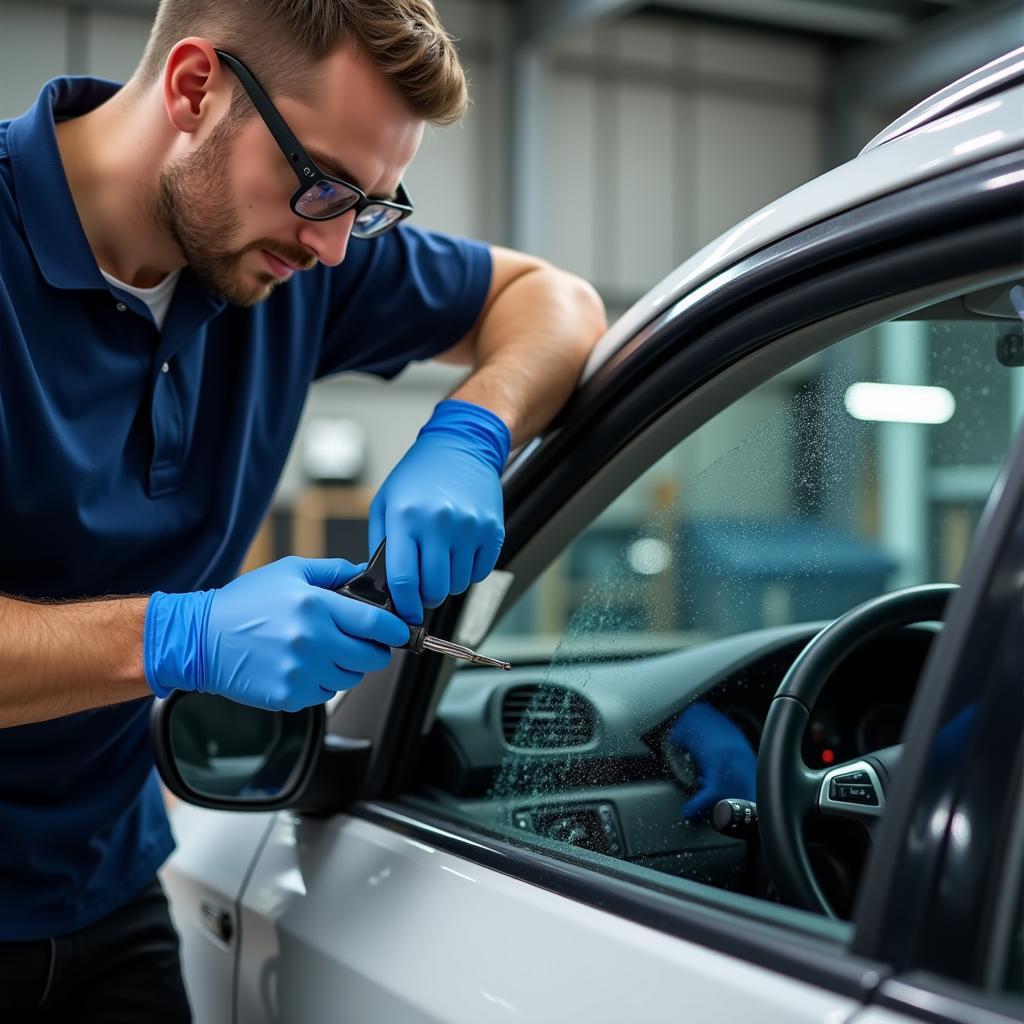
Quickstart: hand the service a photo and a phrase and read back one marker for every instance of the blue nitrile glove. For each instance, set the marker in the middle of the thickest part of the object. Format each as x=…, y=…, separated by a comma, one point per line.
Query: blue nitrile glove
x=441, y=508
x=951, y=738
x=728, y=764
x=275, y=638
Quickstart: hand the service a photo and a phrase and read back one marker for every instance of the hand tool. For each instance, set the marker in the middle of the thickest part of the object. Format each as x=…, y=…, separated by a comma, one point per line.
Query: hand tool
x=371, y=587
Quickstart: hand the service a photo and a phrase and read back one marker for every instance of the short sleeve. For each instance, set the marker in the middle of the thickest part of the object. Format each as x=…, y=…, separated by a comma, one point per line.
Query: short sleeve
x=409, y=294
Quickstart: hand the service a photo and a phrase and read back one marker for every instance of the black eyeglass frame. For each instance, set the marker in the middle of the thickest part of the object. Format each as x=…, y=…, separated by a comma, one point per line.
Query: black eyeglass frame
x=304, y=166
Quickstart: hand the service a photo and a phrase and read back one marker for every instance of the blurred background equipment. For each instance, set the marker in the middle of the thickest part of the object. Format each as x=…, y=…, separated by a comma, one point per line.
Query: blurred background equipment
x=333, y=450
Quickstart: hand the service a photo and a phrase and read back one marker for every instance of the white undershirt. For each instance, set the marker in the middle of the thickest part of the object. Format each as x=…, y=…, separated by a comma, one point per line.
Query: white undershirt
x=158, y=298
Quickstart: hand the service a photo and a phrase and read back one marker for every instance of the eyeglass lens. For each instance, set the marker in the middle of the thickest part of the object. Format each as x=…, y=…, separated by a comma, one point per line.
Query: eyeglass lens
x=374, y=219
x=326, y=199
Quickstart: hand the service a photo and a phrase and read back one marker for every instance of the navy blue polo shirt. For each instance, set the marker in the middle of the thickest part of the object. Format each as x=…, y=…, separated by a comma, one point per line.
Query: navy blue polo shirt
x=120, y=477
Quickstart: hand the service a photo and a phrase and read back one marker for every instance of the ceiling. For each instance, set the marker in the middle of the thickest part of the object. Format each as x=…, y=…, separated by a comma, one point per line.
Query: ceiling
x=864, y=20
x=850, y=20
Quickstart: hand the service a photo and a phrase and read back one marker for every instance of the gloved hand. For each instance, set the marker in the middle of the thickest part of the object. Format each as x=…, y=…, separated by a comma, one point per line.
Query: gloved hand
x=441, y=508
x=275, y=638
x=727, y=762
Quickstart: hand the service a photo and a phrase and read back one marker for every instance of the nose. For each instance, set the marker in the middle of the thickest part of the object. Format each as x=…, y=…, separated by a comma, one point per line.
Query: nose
x=328, y=239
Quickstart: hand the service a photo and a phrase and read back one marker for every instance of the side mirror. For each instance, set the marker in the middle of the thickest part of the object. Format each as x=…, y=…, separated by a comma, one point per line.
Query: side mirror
x=215, y=753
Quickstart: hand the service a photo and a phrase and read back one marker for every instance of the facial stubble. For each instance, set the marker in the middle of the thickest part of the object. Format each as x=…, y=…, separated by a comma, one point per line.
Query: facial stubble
x=197, y=208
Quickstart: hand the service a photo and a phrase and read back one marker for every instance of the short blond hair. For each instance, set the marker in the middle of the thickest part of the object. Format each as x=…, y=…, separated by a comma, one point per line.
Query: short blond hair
x=280, y=39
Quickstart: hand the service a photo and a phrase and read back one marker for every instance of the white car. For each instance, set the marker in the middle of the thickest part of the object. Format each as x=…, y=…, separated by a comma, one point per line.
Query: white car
x=759, y=757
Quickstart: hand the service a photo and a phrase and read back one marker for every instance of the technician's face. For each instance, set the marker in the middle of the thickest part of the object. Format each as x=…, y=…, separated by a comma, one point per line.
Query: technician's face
x=227, y=204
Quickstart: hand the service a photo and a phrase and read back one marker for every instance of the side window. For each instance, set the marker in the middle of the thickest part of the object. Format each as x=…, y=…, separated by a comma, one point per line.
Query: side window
x=805, y=497
x=645, y=656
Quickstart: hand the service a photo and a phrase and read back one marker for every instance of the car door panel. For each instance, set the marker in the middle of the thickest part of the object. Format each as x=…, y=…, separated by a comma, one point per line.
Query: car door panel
x=202, y=880
x=346, y=919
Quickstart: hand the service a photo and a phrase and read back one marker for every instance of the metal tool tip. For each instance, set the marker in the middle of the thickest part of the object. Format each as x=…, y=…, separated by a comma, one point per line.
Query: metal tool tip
x=481, y=659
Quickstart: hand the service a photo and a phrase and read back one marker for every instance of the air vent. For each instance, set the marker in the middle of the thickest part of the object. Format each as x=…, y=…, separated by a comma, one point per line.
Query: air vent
x=535, y=717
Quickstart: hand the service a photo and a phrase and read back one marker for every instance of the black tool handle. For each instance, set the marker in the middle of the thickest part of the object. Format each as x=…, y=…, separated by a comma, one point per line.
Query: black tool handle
x=371, y=587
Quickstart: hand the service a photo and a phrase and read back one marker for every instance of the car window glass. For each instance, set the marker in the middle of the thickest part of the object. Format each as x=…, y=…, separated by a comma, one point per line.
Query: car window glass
x=785, y=506
x=648, y=651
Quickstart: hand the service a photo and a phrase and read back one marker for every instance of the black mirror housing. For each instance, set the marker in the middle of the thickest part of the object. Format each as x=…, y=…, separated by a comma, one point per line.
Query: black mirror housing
x=226, y=756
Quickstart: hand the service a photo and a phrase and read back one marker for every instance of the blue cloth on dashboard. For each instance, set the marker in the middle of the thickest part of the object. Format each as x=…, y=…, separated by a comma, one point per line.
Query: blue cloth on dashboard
x=118, y=478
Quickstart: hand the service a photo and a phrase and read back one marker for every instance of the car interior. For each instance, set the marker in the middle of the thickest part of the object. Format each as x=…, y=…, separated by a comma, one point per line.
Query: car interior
x=861, y=470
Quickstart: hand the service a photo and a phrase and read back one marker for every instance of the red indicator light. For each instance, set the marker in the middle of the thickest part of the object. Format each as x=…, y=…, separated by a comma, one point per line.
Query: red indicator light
x=828, y=756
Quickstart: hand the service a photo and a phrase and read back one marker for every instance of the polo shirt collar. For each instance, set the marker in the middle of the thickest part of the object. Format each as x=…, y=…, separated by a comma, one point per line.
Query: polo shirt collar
x=47, y=209
x=48, y=213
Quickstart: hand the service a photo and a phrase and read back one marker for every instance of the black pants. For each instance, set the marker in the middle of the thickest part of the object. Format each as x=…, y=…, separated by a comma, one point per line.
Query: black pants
x=124, y=968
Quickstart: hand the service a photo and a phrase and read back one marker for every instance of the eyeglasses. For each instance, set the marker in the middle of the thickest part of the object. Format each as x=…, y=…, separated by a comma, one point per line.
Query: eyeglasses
x=320, y=196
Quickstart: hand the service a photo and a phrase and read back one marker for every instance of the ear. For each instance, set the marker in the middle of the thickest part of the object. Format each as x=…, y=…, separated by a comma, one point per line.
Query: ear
x=197, y=87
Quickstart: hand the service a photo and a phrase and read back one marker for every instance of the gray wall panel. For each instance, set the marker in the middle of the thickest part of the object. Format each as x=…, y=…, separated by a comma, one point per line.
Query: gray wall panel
x=445, y=180
x=760, y=57
x=748, y=153
x=644, y=203
x=114, y=43
x=650, y=40
x=33, y=48
x=574, y=205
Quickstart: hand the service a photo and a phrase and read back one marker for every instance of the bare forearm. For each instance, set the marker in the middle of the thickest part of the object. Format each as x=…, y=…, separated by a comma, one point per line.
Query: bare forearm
x=56, y=659
x=532, y=348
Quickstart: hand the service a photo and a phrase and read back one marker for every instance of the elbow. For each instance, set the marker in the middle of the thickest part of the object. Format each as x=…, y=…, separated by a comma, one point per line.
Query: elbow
x=587, y=310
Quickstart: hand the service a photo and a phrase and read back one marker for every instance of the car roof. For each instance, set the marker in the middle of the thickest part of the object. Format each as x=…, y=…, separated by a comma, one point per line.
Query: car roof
x=993, y=77
x=953, y=136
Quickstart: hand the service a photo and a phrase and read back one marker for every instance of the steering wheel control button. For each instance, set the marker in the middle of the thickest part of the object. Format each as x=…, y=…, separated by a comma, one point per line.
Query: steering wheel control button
x=853, y=790
x=736, y=818
x=840, y=789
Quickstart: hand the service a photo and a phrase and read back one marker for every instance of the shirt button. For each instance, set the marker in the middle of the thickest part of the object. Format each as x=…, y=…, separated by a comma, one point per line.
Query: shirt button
x=165, y=368
x=121, y=307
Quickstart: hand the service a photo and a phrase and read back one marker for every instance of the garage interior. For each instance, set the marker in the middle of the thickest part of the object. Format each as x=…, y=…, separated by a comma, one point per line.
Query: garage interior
x=613, y=137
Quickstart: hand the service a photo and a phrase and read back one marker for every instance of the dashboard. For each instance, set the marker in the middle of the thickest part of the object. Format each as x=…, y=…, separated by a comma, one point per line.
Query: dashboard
x=576, y=753
x=615, y=710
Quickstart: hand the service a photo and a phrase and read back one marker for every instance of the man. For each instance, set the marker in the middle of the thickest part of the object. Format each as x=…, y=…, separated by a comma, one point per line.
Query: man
x=180, y=258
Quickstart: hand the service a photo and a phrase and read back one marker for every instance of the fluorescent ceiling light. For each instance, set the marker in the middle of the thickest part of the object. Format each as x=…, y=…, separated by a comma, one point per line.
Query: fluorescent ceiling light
x=649, y=556
x=899, y=403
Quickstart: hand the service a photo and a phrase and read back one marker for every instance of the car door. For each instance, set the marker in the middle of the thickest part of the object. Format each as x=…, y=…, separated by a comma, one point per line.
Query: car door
x=417, y=904
x=203, y=882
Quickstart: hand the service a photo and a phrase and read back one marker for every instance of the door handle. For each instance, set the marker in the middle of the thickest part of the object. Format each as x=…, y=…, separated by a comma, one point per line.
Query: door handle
x=217, y=921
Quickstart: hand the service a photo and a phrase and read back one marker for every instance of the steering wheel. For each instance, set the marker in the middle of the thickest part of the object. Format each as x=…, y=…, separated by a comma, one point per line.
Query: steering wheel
x=787, y=790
